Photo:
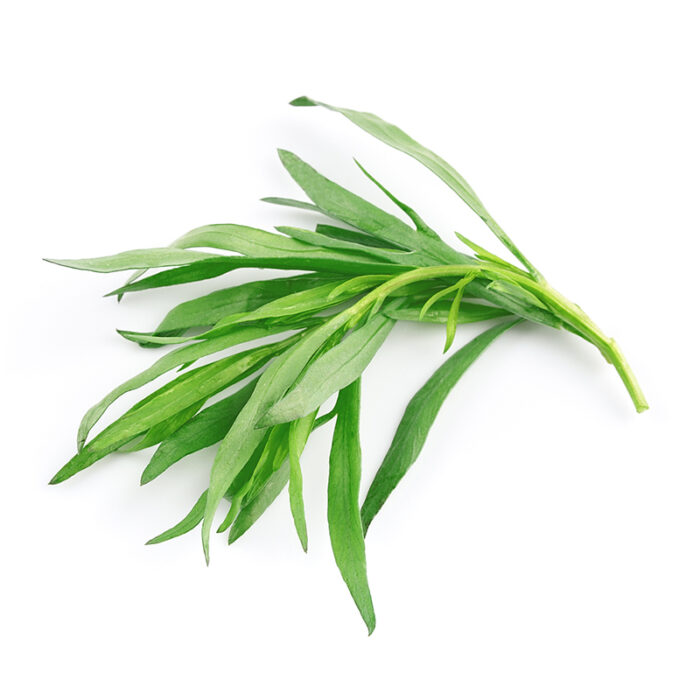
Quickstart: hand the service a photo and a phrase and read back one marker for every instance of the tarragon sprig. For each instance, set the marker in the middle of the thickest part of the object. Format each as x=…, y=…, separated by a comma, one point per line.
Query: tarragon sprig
x=317, y=332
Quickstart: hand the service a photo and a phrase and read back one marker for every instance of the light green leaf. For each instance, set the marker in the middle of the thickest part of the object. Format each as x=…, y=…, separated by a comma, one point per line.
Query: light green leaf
x=211, y=308
x=454, y=312
x=439, y=312
x=396, y=138
x=335, y=369
x=299, y=431
x=136, y=259
x=342, y=204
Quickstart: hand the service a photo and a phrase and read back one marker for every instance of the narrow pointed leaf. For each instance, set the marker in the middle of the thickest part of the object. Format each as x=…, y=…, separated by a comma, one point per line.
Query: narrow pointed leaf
x=189, y=522
x=400, y=140
x=211, y=308
x=299, y=431
x=206, y=428
x=332, y=371
x=348, y=207
x=173, y=359
x=167, y=401
x=453, y=314
x=418, y=418
x=340, y=262
x=136, y=259
x=344, y=523
x=251, y=511
x=244, y=435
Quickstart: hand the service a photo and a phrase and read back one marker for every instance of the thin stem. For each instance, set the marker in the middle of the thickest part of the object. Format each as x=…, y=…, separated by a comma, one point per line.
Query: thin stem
x=566, y=310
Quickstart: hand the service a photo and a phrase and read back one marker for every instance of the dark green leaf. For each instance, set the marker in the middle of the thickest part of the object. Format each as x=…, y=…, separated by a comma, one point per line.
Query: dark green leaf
x=252, y=510
x=207, y=428
x=344, y=523
x=299, y=431
x=418, y=419
x=244, y=435
x=189, y=522
x=174, y=397
x=322, y=261
x=173, y=359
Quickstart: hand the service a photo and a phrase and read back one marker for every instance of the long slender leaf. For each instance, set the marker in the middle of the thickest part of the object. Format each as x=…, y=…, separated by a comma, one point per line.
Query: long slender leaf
x=344, y=523
x=175, y=358
x=299, y=431
x=206, y=428
x=244, y=435
x=400, y=140
x=136, y=259
x=323, y=261
x=348, y=207
x=182, y=392
x=211, y=308
x=418, y=418
x=321, y=240
x=365, y=239
x=189, y=522
x=332, y=371
x=251, y=511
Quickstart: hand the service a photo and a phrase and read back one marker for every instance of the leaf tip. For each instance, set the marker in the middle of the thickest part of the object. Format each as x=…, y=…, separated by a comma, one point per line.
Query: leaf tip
x=303, y=101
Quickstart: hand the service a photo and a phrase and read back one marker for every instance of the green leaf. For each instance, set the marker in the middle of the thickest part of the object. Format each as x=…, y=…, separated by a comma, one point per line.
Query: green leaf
x=160, y=431
x=189, y=522
x=412, y=310
x=454, y=312
x=294, y=203
x=516, y=305
x=299, y=431
x=174, y=397
x=420, y=225
x=418, y=418
x=344, y=523
x=335, y=369
x=252, y=510
x=320, y=261
x=342, y=204
x=242, y=483
x=244, y=435
x=206, y=428
x=136, y=259
x=322, y=240
x=211, y=308
x=173, y=359
x=302, y=302
x=400, y=140
x=346, y=234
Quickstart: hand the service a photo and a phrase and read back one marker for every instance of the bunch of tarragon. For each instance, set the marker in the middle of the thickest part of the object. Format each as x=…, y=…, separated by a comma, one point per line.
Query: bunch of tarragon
x=362, y=274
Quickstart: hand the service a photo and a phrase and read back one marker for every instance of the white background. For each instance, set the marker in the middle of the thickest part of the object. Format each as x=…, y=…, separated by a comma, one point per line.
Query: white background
x=546, y=543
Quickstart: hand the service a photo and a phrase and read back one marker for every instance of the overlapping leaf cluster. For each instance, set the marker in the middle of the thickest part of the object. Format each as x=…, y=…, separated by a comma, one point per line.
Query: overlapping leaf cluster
x=314, y=334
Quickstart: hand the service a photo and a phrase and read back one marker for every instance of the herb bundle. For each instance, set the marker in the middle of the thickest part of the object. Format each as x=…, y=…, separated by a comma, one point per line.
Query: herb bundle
x=319, y=331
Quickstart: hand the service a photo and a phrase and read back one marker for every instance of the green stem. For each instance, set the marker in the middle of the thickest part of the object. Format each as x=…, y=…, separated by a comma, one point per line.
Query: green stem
x=567, y=311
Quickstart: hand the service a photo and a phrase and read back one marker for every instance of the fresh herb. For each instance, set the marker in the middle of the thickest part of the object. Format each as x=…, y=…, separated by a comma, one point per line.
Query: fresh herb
x=361, y=275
